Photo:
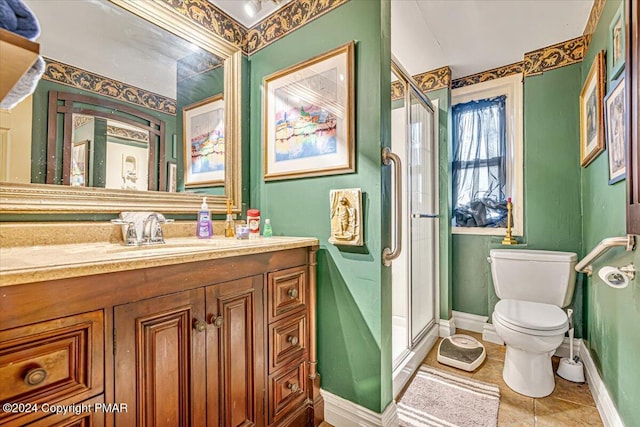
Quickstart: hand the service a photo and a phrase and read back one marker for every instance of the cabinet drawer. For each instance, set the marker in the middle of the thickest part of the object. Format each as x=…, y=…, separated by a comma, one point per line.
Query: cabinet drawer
x=52, y=362
x=287, y=340
x=287, y=290
x=287, y=391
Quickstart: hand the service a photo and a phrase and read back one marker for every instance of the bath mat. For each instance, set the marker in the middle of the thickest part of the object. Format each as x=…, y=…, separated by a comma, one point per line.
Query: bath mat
x=436, y=398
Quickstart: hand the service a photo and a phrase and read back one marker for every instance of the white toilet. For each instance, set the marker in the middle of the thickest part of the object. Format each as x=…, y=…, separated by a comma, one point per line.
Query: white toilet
x=532, y=286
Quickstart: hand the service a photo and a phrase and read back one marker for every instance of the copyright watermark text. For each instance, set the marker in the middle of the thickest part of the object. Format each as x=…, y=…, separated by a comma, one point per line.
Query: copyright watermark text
x=73, y=408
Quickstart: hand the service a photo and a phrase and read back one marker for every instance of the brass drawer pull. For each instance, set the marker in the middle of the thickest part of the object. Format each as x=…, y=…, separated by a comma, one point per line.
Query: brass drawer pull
x=293, y=293
x=35, y=376
x=292, y=340
x=216, y=321
x=199, y=325
x=293, y=387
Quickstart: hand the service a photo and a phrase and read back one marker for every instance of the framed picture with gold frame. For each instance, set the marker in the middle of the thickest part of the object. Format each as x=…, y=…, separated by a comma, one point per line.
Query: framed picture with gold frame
x=308, y=117
x=592, y=112
x=616, y=48
x=204, y=148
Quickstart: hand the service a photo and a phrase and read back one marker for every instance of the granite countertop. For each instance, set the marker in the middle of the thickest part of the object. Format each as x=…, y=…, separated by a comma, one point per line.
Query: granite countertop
x=27, y=264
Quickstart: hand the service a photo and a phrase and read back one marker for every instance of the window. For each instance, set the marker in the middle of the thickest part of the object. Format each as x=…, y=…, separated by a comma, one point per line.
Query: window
x=487, y=156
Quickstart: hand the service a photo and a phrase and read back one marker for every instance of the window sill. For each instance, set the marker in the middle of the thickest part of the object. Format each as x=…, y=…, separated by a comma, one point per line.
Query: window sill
x=480, y=231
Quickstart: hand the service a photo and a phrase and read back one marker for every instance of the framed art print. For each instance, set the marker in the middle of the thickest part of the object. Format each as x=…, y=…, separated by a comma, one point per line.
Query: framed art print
x=615, y=55
x=614, y=105
x=591, y=112
x=204, y=145
x=308, y=113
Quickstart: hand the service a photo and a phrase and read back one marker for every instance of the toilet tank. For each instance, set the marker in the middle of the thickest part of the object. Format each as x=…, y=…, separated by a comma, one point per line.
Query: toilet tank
x=532, y=275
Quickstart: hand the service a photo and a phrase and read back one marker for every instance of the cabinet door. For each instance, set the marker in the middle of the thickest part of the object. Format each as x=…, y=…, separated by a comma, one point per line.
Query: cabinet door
x=235, y=353
x=160, y=360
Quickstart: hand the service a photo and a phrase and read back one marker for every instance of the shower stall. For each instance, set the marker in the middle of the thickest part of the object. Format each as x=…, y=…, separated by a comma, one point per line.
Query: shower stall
x=415, y=219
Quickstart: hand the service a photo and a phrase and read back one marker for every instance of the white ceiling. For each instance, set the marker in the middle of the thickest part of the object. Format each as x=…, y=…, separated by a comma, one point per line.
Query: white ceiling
x=236, y=9
x=471, y=36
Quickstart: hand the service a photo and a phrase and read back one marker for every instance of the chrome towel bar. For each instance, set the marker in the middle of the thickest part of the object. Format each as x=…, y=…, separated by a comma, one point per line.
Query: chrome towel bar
x=584, y=266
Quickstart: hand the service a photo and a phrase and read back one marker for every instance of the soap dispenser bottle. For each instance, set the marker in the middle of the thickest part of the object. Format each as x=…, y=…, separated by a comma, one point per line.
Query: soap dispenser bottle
x=205, y=227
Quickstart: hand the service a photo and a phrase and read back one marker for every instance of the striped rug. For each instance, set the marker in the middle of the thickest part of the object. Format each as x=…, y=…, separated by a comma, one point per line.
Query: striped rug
x=436, y=398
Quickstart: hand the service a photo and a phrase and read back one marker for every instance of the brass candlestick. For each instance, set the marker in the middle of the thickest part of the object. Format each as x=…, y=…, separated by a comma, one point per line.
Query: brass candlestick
x=508, y=239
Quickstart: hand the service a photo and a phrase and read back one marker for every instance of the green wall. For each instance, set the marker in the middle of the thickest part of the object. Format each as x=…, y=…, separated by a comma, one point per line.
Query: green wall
x=354, y=302
x=552, y=214
x=612, y=316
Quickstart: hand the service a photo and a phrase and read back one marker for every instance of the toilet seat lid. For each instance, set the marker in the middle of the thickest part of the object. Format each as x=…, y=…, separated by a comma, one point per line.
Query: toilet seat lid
x=530, y=315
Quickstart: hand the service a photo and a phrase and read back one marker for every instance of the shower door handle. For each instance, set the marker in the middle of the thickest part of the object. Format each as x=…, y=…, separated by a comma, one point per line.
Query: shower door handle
x=388, y=254
x=423, y=215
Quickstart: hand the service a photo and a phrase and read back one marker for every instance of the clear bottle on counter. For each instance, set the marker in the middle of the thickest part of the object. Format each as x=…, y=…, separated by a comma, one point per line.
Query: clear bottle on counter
x=268, y=231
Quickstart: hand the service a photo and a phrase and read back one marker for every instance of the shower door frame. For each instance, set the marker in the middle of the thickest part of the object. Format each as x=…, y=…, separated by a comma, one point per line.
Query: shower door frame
x=411, y=357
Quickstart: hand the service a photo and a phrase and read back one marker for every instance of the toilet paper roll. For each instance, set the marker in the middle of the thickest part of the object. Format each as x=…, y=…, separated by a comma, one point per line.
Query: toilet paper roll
x=614, y=277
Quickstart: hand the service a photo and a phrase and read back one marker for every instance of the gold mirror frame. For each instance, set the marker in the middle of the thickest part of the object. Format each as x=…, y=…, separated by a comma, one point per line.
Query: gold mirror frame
x=56, y=199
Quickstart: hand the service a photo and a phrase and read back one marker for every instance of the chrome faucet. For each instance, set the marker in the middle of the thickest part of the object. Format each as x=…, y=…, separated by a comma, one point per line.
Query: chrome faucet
x=140, y=228
x=151, y=229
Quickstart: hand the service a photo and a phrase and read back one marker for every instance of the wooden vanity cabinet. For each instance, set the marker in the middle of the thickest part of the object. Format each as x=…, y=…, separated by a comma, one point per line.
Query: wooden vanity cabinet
x=224, y=342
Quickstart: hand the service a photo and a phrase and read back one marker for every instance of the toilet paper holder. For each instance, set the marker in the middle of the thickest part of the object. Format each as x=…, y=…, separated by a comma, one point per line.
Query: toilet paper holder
x=629, y=270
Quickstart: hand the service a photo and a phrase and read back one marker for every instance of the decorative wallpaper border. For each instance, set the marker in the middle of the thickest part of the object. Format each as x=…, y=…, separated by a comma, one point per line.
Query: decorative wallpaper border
x=555, y=56
x=133, y=135
x=397, y=90
x=535, y=62
x=78, y=78
x=428, y=81
x=433, y=80
x=495, y=73
x=594, y=17
x=205, y=14
x=290, y=17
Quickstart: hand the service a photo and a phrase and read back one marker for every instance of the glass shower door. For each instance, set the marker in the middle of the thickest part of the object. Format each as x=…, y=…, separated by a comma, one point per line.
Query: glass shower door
x=423, y=218
x=414, y=273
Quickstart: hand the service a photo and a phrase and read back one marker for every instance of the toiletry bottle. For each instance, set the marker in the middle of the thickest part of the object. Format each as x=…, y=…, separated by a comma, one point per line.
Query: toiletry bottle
x=205, y=227
x=253, y=220
x=268, y=231
x=229, y=225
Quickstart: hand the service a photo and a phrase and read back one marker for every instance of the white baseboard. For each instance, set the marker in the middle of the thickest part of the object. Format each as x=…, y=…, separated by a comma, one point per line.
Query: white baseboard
x=344, y=413
x=601, y=396
x=468, y=321
x=489, y=334
x=447, y=327
x=405, y=370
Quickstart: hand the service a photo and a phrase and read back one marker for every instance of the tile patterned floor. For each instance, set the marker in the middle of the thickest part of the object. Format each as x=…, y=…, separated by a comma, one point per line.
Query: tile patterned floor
x=569, y=405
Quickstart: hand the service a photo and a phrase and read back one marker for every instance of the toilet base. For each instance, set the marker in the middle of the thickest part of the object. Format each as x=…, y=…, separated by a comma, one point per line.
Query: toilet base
x=530, y=374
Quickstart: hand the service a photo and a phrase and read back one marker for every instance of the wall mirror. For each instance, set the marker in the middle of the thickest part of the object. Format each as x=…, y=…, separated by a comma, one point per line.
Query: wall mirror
x=108, y=122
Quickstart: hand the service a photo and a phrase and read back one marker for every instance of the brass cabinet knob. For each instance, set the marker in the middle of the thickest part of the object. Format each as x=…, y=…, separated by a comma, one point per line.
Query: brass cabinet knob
x=35, y=376
x=199, y=325
x=294, y=387
x=293, y=340
x=293, y=293
x=216, y=321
